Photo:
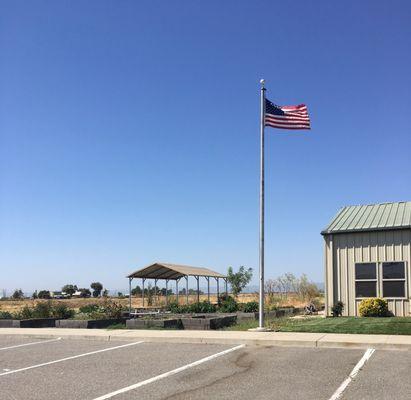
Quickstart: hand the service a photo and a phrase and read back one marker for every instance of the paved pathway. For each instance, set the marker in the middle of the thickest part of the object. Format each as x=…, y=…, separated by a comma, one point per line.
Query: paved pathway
x=389, y=342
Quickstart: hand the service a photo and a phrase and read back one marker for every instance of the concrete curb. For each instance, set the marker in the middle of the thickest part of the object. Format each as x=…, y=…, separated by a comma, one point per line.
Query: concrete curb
x=315, y=340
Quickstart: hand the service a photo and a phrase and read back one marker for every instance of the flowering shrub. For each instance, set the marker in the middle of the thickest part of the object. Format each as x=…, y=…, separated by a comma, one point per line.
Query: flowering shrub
x=374, y=307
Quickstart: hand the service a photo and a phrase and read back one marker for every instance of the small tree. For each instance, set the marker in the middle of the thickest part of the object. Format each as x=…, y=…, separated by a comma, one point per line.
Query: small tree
x=150, y=294
x=44, y=294
x=137, y=291
x=307, y=290
x=84, y=292
x=35, y=295
x=18, y=294
x=105, y=293
x=97, y=288
x=239, y=280
x=69, y=289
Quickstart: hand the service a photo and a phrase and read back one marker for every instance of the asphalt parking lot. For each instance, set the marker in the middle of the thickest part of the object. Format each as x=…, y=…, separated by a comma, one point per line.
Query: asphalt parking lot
x=95, y=370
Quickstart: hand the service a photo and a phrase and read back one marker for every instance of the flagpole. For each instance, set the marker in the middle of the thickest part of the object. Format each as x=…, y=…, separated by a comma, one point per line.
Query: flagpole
x=261, y=252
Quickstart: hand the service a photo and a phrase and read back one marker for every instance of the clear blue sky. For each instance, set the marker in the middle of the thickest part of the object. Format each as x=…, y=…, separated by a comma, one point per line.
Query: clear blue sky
x=129, y=132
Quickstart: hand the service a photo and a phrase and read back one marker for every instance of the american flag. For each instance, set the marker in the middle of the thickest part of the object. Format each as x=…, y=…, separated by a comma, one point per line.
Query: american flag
x=286, y=117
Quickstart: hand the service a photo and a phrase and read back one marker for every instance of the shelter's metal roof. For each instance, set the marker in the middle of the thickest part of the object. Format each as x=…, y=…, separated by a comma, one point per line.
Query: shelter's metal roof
x=172, y=271
x=371, y=217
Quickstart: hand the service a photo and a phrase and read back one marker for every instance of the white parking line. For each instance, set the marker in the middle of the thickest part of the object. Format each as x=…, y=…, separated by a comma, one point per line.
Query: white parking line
x=338, y=393
x=167, y=374
x=30, y=344
x=68, y=358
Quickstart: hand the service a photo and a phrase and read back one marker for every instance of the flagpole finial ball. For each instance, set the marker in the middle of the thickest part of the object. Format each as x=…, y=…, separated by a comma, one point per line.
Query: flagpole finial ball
x=262, y=81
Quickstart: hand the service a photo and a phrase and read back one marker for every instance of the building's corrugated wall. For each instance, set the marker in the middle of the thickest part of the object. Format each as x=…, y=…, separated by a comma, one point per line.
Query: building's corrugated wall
x=343, y=250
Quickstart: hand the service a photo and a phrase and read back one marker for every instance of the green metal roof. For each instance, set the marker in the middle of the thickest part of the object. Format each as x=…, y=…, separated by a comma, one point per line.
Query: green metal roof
x=371, y=217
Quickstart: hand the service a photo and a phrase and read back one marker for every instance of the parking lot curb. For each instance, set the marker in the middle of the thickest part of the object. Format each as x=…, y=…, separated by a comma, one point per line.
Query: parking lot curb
x=320, y=340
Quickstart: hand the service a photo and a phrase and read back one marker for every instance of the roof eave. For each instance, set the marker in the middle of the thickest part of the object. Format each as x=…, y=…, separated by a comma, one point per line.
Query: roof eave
x=388, y=228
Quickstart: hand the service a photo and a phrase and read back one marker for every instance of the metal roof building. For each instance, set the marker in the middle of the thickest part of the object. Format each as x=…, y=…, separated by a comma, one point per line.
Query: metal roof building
x=175, y=272
x=367, y=251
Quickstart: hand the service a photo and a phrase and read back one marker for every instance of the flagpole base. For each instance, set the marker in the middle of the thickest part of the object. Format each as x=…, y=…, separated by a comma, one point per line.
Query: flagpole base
x=260, y=329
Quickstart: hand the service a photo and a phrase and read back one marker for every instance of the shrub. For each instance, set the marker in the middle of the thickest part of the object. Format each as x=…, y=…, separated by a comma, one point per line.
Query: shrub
x=112, y=309
x=25, y=313
x=45, y=309
x=374, y=307
x=251, y=306
x=42, y=310
x=89, y=308
x=337, y=309
x=227, y=304
x=202, y=307
x=5, y=315
x=174, y=307
x=61, y=311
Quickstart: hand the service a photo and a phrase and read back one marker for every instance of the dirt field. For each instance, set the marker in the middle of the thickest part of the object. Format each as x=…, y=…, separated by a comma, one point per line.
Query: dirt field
x=16, y=305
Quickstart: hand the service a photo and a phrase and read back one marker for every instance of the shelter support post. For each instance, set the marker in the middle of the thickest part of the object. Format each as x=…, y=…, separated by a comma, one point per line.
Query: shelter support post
x=166, y=292
x=144, y=279
x=129, y=295
x=186, y=289
x=208, y=288
x=226, y=286
x=218, y=288
x=177, y=290
x=198, y=288
x=155, y=291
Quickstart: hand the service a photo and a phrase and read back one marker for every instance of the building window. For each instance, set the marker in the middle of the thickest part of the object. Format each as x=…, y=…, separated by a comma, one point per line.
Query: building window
x=366, y=280
x=393, y=279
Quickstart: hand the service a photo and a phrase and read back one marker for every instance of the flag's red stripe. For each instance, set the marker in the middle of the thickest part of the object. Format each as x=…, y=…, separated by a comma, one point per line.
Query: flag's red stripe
x=292, y=114
x=287, y=122
x=286, y=117
x=273, y=121
x=289, y=127
x=299, y=107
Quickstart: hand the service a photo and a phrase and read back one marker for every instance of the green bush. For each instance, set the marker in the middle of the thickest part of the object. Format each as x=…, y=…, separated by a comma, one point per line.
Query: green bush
x=373, y=307
x=61, y=311
x=227, y=304
x=175, y=308
x=251, y=306
x=45, y=309
x=42, y=310
x=111, y=309
x=5, y=315
x=108, y=310
x=202, y=307
x=89, y=308
x=337, y=309
x=25, y=313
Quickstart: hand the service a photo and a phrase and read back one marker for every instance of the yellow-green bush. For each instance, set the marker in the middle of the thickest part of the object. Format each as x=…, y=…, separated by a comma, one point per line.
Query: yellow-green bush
x=373, y=307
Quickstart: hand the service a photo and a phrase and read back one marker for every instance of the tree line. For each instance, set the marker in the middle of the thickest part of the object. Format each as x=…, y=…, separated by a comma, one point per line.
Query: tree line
x=69, y=290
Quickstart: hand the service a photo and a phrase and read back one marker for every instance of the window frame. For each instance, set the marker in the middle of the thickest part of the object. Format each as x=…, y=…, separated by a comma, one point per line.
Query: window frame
x=375, y=280
x=404, y=280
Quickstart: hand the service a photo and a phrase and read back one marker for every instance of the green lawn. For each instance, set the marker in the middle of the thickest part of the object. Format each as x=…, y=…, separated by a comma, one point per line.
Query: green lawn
x=388, y=326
